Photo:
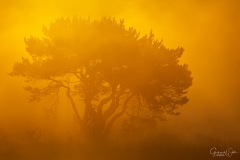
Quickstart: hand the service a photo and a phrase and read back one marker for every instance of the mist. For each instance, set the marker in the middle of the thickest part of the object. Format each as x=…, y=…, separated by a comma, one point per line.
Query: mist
x=207, y=30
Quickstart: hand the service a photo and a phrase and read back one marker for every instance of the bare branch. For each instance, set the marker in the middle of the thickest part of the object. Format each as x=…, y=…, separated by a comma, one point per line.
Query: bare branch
x=113, y=106
x=116, y=116
x=106, y=100
x=76, y=120
x=68, y=90
x=74, y=106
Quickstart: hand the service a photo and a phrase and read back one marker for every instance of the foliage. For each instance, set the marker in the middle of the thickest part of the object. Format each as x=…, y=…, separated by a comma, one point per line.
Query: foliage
x=107, y=66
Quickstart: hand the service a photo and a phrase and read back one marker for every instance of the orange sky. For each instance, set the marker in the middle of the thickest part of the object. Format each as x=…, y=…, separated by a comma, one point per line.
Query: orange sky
x=207, y=29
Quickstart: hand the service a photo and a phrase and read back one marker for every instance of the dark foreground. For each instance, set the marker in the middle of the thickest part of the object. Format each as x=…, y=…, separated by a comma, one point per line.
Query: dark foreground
x=160, y=147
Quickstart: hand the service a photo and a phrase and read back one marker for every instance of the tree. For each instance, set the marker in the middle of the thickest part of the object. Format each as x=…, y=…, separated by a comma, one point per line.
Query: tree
x=107, y=66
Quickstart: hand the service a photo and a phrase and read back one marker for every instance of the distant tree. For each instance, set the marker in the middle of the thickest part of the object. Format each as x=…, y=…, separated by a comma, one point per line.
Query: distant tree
x=107, y=66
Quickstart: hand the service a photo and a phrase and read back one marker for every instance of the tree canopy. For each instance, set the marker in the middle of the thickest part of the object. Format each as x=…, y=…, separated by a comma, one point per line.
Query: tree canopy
x=107, y=65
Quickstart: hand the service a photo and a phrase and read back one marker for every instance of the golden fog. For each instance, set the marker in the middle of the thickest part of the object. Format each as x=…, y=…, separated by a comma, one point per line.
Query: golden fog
x=208, y=30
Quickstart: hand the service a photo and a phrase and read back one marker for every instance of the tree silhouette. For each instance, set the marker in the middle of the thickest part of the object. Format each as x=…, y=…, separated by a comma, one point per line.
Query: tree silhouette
x=107, y=66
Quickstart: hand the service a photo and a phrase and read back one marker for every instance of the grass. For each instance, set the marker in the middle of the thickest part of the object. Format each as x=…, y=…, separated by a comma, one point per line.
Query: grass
x=157, y=146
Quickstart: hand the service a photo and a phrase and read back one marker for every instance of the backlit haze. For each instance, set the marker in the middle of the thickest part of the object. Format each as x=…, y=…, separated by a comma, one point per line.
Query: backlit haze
x=208, y=30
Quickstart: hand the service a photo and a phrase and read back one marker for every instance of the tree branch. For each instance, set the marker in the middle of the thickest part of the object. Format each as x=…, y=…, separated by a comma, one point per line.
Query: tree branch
x=74, y=106
x=76, y=119
x=70, y=98
x=113, y=106
x=107, y=99
x=116, y=116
